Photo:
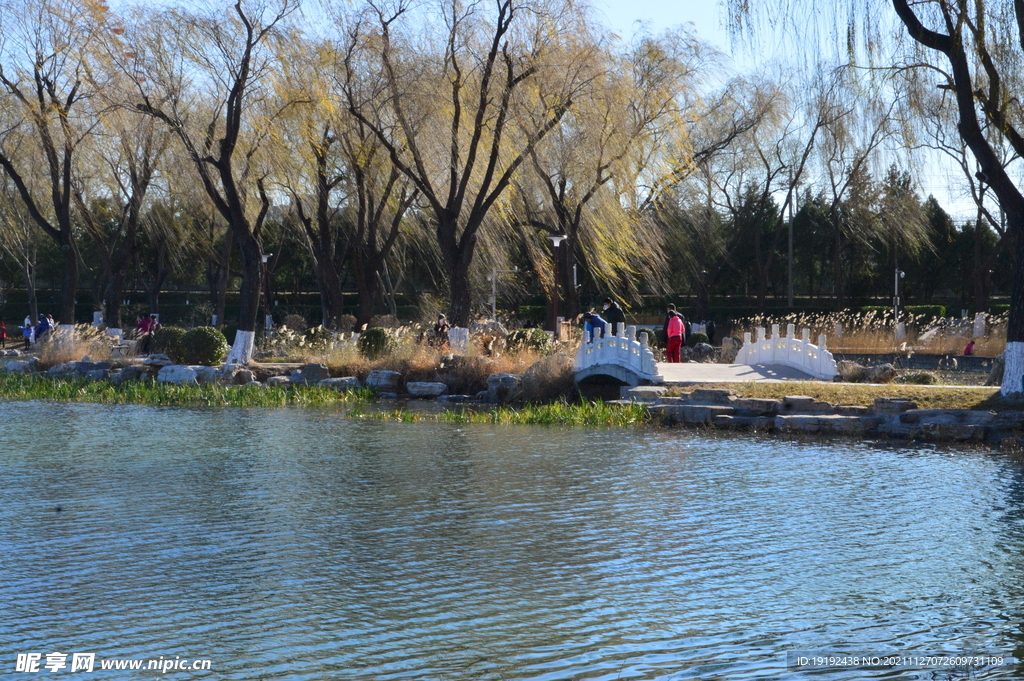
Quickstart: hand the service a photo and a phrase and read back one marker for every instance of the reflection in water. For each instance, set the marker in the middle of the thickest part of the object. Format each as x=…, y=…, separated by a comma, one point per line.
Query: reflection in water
x=294, y=544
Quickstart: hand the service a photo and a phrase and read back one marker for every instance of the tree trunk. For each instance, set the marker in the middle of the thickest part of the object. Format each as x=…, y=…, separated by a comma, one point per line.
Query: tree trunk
x=458, y=292
x=837, y=271
x=69, y=283
x=1013, y=374
x=252, y=267
x=365, y=268
x=457, y=258
x=703, y=298
x=115, y=294
x=569, y=304
x=218, y=273
x=29, y=272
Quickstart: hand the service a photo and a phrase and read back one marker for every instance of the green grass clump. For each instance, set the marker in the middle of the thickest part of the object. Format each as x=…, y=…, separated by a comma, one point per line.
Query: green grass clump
x=150, y=393
x=556, y=414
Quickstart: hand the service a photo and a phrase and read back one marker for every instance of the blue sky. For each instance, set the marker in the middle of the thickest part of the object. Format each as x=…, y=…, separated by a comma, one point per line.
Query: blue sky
x=705, y=15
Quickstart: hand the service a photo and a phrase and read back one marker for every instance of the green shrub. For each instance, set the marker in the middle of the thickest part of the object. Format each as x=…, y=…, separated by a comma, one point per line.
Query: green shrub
x=204, y=345
x=655, y=337
x=167, y=340
x=536, y=340
x=376, y=342
x=929, y=312
x=695, y=338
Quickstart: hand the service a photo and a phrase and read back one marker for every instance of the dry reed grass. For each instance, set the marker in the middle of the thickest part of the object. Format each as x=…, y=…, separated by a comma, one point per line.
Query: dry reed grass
x=874, y=332
x=417, y=361
x=87, y=340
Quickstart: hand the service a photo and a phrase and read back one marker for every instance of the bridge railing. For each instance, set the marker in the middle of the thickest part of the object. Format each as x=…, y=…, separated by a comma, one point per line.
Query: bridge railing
x=790, y=351
x=624, y=350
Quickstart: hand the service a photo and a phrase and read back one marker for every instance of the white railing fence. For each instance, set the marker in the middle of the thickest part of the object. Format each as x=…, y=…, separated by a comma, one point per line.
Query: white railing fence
x=790, y=351
x=624, y=350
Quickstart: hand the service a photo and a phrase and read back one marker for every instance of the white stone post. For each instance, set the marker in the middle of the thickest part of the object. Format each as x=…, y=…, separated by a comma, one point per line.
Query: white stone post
x=979, y=325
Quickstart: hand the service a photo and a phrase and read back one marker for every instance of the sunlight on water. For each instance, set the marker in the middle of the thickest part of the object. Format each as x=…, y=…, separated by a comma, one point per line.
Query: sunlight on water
x=294, y=544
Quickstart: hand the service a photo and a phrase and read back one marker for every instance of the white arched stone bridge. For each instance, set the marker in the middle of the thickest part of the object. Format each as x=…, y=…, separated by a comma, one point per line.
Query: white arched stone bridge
x=629, y=360
x=623, y=357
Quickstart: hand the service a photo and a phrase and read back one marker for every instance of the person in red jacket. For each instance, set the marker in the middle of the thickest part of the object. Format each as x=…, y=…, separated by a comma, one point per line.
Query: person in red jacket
x=3, y=334
x=674, y=331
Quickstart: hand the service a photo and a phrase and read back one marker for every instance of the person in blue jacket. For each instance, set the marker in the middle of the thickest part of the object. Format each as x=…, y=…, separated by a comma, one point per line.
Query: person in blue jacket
x=591, y=323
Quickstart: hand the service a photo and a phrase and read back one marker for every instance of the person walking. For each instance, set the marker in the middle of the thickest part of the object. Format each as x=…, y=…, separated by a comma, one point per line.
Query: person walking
x=674, y=333
x=3, y=334
x=614, y=315
x=664, y=327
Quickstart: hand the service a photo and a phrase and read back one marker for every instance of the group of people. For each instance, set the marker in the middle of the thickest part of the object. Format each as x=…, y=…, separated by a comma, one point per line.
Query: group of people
x=146, y=327
x=32, y=333
x=614, y=319
x=674, y=332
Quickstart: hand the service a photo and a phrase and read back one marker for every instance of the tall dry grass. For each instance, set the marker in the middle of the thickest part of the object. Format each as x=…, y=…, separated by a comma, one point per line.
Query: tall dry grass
x=875, y=332
x=85, y=341
x=418, y=361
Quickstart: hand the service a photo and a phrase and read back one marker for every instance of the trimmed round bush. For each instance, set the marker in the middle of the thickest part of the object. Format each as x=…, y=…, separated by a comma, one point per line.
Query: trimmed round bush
x=167, y=340
x=698, y=337
x=375, y=342
x=535, y=340
x=204, y=345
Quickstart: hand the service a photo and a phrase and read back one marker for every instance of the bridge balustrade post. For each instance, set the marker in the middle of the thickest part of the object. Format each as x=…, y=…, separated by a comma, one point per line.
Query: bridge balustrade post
x=822, y=354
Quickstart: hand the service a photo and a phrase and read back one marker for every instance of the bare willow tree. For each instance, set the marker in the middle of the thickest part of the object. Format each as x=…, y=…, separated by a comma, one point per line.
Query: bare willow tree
x=349, y=199
x=685, y=199
x=125, y=150
x=460, y=102
x=975, y=51
x=585, y=175
x=46, y=47
x=19, y=239
x=223, y=52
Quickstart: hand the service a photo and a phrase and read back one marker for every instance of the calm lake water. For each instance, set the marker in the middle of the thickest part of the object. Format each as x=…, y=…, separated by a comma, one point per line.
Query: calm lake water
x=294, y=544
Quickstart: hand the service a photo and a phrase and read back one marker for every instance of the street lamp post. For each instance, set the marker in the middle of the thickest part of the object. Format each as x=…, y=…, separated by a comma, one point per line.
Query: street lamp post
x=896, y=300
x=556, y=240
x=268, y=320
x=493, y=276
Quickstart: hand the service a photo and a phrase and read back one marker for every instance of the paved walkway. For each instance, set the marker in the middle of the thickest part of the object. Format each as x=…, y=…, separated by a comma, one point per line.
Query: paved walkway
x=698, y=372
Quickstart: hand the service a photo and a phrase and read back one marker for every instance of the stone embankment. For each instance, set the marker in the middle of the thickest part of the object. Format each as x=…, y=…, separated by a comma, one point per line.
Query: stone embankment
x=501, y=387
x=888, y=417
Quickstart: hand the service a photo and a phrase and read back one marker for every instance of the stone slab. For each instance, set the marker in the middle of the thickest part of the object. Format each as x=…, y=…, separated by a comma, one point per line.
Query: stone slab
x=643, y=393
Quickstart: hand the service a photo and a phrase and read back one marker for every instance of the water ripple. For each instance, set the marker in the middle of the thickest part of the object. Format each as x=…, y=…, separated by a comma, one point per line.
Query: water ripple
x=293, y=544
